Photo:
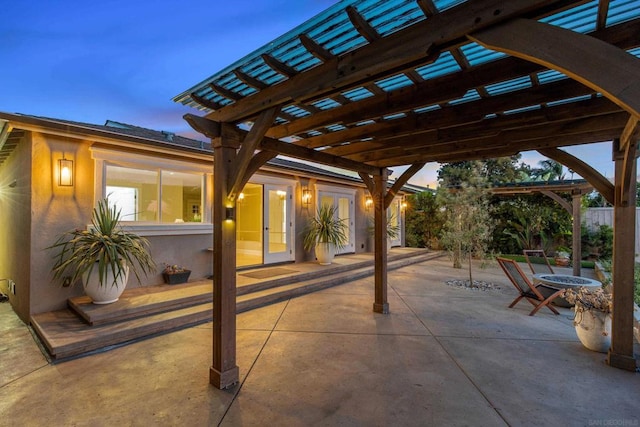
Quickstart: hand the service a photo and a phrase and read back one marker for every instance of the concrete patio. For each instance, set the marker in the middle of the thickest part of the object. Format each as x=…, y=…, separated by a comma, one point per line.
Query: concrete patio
x=444, y=356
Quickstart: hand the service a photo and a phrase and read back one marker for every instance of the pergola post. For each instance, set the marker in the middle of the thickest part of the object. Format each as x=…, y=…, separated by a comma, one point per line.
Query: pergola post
x=224, y=371
x=380, y=305
x=577, y=232
x=624, y=226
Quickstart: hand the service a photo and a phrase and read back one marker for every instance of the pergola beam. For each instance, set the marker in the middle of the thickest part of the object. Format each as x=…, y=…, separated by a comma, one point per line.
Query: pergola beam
x=583, y=58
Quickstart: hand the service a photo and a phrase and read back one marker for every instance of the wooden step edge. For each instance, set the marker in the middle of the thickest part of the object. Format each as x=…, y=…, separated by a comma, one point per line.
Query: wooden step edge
x=125, y=336
x=97, y=318
x=294, y=278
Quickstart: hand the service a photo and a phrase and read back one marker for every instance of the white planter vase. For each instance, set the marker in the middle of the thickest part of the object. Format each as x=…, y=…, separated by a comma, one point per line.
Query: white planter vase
x=594, y=329
x=325, y=252
x=108, y=292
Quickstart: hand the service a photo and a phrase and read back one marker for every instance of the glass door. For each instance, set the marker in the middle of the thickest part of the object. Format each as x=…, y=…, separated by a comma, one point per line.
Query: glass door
x=278, y=225
x=346, y=212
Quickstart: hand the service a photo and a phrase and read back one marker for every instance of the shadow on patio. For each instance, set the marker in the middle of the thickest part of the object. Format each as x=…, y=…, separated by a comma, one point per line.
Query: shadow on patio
x=444, y=355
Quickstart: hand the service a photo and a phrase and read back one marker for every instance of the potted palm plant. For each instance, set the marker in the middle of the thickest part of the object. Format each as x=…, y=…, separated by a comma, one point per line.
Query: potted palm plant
x=325, y=232
x=102, y=255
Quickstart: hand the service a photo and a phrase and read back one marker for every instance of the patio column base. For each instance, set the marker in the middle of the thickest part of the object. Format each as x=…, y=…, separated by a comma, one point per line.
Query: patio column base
x=225, y=379
x=381, y=308
x=621, y=361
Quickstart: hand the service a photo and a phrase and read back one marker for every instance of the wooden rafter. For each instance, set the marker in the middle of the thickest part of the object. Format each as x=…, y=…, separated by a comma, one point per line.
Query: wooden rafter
x=315, y=49
x=246, y=152
x=278, y=66
x=225, y=92
x=361, y=25
x=250, y=81
x=207, y=103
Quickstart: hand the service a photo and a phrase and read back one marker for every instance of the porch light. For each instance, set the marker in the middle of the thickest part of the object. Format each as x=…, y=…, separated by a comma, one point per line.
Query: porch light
x=403, y=204
x=306, y=196
x=229, y=214
x=368, y=202
x=65, y=172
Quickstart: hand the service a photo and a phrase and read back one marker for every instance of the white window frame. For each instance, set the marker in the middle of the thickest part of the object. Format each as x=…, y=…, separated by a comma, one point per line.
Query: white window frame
x=103, y=157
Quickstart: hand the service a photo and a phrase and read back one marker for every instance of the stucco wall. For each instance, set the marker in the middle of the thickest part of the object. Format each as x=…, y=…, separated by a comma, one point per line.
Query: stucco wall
x=15, y=226
x=56, y=209
x=59, y=209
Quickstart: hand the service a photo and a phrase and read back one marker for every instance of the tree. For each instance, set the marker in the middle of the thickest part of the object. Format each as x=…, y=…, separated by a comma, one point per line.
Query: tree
x=468, y=225
x=549, y=170
x=424, y=220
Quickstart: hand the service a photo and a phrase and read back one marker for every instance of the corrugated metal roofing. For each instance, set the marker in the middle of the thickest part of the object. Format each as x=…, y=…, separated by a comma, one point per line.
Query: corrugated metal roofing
x=334, y=31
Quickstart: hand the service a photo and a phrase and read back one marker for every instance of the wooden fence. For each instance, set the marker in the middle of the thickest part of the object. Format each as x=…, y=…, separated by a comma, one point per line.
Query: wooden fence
x=594, y=217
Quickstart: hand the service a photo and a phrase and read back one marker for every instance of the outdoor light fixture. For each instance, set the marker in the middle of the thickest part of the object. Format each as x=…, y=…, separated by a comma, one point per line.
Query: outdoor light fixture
x=306, y=196
x=65, y=172
x=403, y=204
x=368, y=202
x=229, y=214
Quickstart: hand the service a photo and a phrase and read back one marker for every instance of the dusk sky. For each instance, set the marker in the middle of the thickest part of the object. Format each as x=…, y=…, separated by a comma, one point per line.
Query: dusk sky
x=125, y=60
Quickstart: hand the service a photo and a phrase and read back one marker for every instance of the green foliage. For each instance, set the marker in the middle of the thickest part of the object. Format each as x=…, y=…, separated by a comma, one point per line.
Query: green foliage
x=597, y=243
x=549, y=170
x=105, y=244
x=424, y=221
x=325, y=227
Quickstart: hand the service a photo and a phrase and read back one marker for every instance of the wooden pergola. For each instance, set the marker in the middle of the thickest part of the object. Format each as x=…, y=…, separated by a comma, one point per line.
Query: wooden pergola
x=553, y=190
x=373, y=84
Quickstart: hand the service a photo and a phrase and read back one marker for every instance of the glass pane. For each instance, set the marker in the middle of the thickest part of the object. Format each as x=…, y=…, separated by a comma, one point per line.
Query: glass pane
x=249, y=226
x=326, y=200
x=135, y=191
x=277, y=221
x=181, y=197
x=344, y=213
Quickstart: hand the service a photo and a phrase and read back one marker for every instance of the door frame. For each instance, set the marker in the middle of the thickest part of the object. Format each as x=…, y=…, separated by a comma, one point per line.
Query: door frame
x=287, y=185
x=336, y=192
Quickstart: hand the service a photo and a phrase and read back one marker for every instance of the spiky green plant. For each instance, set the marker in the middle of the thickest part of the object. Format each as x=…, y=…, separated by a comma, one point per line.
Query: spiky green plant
x=325, y=227
x=105, y=246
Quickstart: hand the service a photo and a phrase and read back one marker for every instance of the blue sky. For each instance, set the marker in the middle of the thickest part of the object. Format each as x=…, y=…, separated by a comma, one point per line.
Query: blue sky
x=125, y=60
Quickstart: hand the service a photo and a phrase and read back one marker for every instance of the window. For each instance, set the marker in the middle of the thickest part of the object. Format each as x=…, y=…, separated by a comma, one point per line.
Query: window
x=158, y=196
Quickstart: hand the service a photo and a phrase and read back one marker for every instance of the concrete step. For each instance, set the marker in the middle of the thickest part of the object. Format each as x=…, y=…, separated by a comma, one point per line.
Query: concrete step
x=154, y=310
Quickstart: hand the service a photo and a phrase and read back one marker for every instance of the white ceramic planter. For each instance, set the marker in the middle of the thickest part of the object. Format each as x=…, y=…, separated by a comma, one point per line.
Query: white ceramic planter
x=110, y=291
x=594, y=330
x=325, y=252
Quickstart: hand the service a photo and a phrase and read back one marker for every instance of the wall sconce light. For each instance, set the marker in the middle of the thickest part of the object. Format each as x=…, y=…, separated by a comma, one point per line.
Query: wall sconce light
x=65, y=172
x=229, y=214
x=403, y=204
x=306, y=196
x=368, y=202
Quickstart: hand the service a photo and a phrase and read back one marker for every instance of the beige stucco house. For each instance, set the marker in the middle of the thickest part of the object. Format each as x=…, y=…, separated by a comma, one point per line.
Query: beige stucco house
x=163, y=184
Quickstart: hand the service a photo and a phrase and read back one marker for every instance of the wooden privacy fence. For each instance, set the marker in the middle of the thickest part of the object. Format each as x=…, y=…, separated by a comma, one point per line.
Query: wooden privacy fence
x=595, y=217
